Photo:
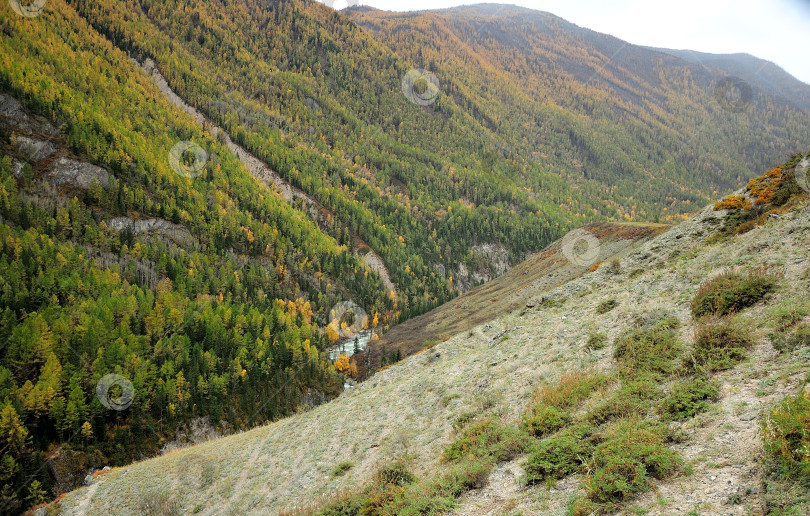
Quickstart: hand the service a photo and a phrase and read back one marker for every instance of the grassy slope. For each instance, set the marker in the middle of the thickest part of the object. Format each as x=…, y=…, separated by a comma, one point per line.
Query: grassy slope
x=407, y=410
x=514, y=289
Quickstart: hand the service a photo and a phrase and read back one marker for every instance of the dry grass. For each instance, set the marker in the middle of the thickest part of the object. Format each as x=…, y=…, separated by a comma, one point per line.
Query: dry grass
x=570, y=389
x=511, y=291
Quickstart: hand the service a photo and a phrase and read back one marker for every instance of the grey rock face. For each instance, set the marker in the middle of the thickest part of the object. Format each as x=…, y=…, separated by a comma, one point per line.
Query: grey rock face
x=32, y=149
x=175, y=232
x=14, y=118
x=66, y=171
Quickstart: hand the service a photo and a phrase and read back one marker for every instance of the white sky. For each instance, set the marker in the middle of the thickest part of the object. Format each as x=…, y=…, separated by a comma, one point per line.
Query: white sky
x=776, y=30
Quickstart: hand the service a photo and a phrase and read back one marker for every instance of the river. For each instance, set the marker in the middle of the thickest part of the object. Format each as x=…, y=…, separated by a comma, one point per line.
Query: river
x=347, y=346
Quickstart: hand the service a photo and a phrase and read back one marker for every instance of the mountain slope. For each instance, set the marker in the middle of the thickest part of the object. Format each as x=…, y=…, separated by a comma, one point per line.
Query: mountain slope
x=266, y=175
x=605, y=114
x=113, y=261
x=761, y=74
x=409, y=413
x=518, y=287
x=526, y=149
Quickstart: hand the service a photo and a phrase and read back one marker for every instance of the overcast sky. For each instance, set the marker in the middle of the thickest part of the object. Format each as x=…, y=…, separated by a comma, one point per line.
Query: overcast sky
x=776, y=30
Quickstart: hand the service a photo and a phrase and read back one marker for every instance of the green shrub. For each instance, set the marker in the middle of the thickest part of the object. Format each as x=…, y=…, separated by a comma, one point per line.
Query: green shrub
x=689, y=397
x=543, y=420
x=341, y=469
x=789, y=312
x=487, y=439
x=462, y=477
x=561, y=455
x=785, y=497
x=800, y=337
x=648, y=351
x=790, y=332
x=346, y=504
x=396, y=474
x=394, y=491
x=786, y=439
x=571, y=389
x=624, y=465
x=388, y=484
x=596, y=341
x=786, y=435
x=439, y=495
x=551, y=302
x=720, y=344
x=634, y=398
x=606, y=306
x=731, y=292
x=472, y=456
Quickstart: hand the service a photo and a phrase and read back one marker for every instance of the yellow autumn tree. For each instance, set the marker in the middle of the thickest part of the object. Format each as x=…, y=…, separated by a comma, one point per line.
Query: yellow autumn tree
x=332, y=334
x=346, y=367
x=306, y=310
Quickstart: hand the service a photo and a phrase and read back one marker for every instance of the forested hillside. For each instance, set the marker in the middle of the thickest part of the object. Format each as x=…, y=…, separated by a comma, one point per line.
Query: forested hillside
x=537, y=125
x=225, y=326
x=308, y=92
x=205, y=290
x=640, y=133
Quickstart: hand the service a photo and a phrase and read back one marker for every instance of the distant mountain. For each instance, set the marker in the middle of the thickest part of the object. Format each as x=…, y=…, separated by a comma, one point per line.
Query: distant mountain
x=759, y=73
x=607, y=115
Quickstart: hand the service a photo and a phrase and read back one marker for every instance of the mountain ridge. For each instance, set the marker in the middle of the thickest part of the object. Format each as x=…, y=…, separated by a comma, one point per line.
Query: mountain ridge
x=689, y=55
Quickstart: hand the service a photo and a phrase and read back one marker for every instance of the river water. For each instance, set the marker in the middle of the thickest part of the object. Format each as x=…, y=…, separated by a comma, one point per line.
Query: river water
x=347, y=346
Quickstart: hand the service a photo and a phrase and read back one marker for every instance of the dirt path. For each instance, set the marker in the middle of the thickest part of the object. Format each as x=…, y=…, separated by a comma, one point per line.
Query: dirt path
x=724, y=446
x=257, y=168
x=81, y=510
